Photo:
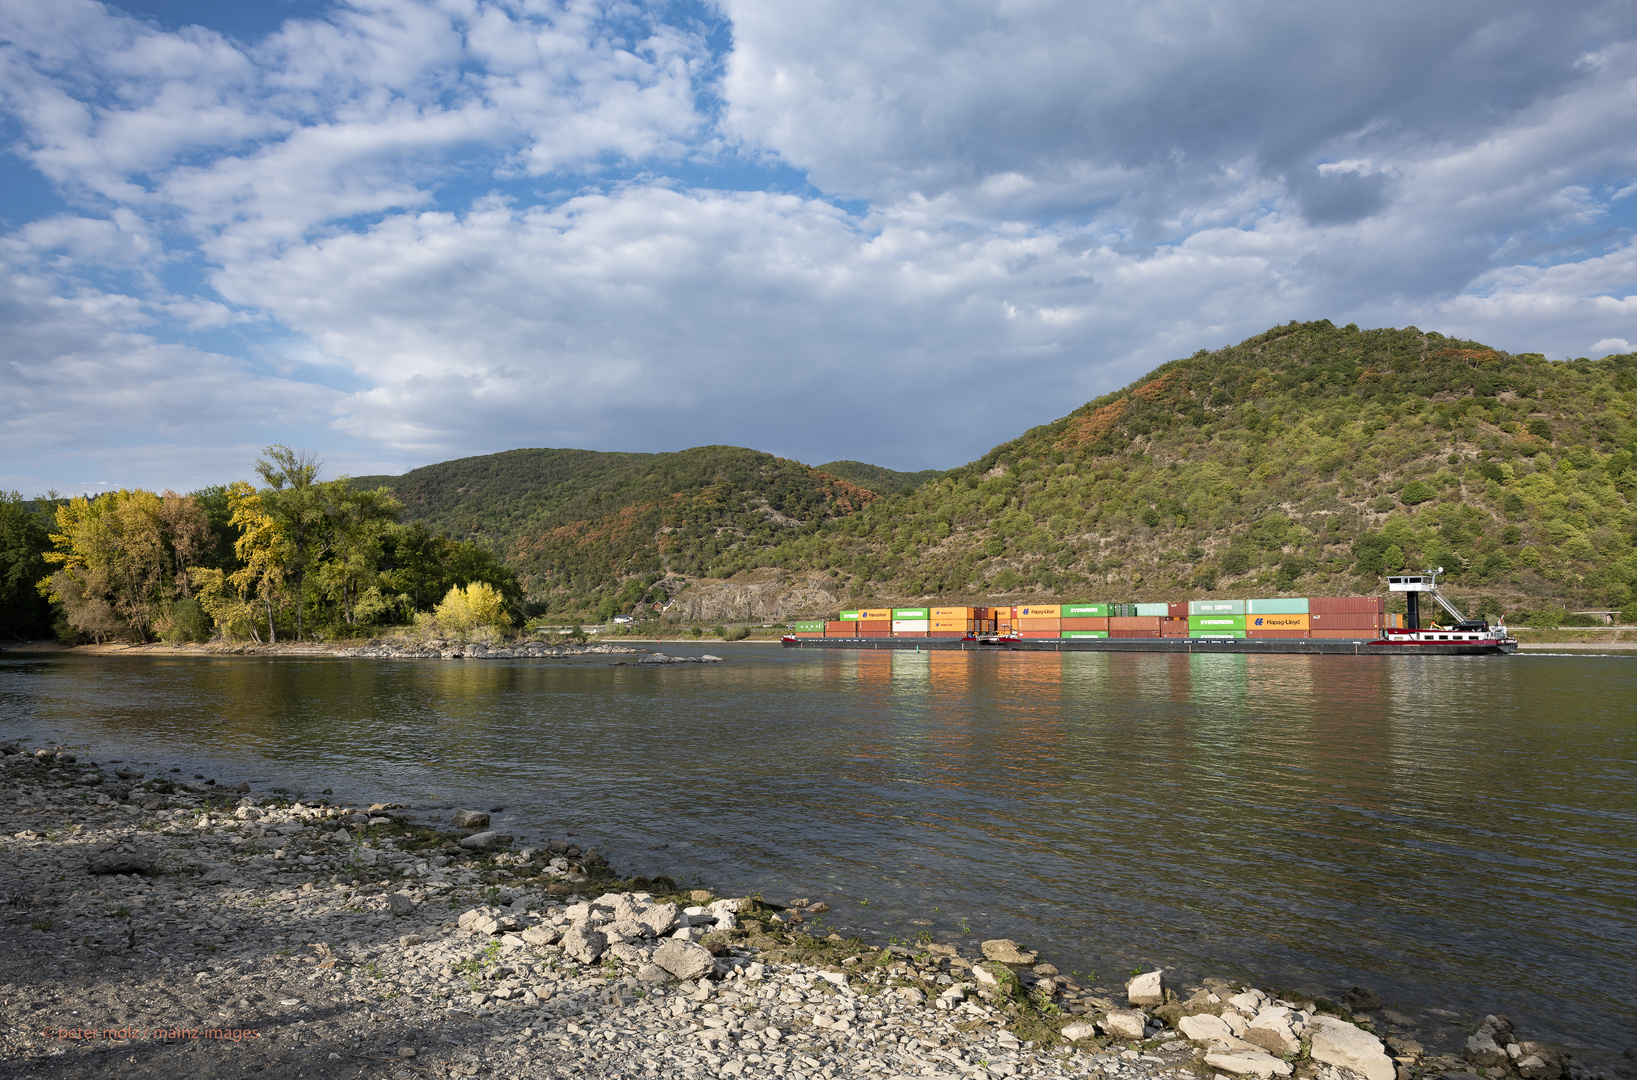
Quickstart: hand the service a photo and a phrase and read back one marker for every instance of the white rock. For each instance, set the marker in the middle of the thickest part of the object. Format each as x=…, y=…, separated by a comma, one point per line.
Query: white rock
x=1336, y=1042
x=1241, y=1062
x=584, y=945
x=1076, y=1032
x=1249, y=1003
x=1204, y=1028
x=1125, y=1024
x=684, y=959
x=1236, y=1023
x=1147, y=989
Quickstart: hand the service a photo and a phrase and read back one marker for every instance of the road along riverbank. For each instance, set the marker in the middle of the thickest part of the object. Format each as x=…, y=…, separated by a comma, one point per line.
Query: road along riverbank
x=160, y=928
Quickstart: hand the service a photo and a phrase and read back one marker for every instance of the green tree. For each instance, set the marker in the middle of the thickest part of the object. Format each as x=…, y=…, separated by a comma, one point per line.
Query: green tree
x=24, y=540
x=296, y=503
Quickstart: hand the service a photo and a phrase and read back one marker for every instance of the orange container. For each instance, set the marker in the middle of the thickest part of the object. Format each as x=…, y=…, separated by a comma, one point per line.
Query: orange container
x=1276, y=633
x=947, y=613
x=874, y=627
x=1054, y=625
x=1037, y=633
x=1365, y=634
x=848, y=628
x=1113, y=633
x=875, y=615
x=1345, y=621
x=1085, y=624
x=1039, y=611
x=1277, y=622
x=1134, y=622
x=1347, y=605
x=912, y=633
x=954, y=624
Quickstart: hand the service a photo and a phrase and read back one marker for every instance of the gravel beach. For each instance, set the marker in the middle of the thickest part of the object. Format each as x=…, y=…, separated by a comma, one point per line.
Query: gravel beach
x=160, y=927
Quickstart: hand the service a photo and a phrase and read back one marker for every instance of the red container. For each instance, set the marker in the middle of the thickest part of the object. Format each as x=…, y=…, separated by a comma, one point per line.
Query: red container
x=1085, y=624
x=1179, y=610
x=848, y=628
x=1135, y=622
x=1350, y=635
x=1174, y=627
x=1345, y=622
x=1347, y=605
x=1040, y=624
x=912, y=633
x=1037, y=633
x=875, y=628
x=1114, y=633
x=1277, y=633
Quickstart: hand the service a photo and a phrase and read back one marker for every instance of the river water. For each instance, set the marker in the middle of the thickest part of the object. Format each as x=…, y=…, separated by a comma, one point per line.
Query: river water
x=1452, y=833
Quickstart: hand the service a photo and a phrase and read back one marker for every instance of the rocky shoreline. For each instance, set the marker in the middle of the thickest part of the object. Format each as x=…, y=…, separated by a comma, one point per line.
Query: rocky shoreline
x=154, y=928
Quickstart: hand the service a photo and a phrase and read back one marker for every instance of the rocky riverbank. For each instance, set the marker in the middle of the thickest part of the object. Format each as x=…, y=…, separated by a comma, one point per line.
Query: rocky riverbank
x=155, y=928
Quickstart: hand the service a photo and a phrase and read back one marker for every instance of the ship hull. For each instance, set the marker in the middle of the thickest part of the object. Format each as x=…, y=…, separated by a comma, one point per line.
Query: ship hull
x=1250, y=646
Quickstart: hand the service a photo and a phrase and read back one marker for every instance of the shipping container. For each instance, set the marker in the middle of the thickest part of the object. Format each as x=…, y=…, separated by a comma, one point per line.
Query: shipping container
x=850, y=616
x=802, y=633
x=1218, y=634
x=1038, y=634
x=1084, y=624
x=911, y=613
x=911, y=633
x=875, y=615
x=1289, y=605
x=1216, y=607
x=1040, y=611
x=1345, y=622
x=1158, y=611
x=998, y=613
x=1054, y=625
x=1276, y=622
x=911, y=626
x=1122, y=611
x=1177, y=610
x=1347, y=605
x=1132, y=633
x=874, y=627
x=807, y=627
x=1349, y=635
x=963, y=625
x=1209, y=623
x=1084, y=634
x=1136, y=622
x=945, y=634
x=1085, y=611
x=955, y=613
x=841, y=629
x=1277, y=633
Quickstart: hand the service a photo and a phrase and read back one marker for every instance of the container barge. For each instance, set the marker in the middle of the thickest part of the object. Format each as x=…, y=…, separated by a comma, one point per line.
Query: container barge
x=1320, y=626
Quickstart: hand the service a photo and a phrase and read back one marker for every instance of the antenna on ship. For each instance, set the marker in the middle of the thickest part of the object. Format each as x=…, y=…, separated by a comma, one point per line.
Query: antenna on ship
x=1413, y=585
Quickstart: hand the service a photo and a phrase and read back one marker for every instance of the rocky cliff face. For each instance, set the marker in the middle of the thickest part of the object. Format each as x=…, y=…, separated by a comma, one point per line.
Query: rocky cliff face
x=727, y=601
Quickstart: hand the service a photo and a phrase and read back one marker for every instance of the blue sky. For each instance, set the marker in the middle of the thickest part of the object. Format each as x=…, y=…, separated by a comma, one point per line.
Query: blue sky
x=400, y=231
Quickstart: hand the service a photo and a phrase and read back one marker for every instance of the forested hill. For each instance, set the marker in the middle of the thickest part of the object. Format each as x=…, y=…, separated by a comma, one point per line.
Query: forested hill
x=1309, y=459
x=578, y=525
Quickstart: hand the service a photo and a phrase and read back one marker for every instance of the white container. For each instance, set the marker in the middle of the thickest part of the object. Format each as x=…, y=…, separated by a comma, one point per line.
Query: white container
x=910, y=626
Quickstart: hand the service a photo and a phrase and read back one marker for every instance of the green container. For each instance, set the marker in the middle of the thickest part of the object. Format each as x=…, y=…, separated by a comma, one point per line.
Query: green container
x=1122, y=611
x=847, y=616
x=912, y=613
x=1209, y=624
x=1161, y=610
x=1085, y=611
x=1217, y=633
x=1215, y=607
x=1085, y=633
x=806, y=627
x=1288, y=605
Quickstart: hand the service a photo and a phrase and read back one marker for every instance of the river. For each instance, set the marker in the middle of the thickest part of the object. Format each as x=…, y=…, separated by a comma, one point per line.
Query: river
x=1452, y=833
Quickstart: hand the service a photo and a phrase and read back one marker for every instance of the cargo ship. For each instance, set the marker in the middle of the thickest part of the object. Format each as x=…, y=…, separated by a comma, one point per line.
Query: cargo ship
x=1326, y=626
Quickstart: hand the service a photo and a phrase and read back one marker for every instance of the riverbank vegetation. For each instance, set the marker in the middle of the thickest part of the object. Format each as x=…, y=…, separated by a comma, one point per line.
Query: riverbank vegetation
x=297, y=558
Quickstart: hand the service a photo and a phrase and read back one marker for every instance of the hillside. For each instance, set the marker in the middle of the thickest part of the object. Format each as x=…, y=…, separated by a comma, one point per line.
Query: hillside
x=879, y=480
x=581, y=526
x=1308, y=459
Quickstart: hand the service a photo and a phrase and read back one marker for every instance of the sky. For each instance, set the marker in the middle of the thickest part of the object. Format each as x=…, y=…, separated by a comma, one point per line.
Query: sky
x=395, y=232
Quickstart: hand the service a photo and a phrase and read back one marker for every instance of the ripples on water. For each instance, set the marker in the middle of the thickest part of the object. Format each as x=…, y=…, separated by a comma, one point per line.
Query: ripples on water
x=1447, y=831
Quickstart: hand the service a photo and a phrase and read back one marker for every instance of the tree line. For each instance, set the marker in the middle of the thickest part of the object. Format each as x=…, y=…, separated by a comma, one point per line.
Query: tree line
x=296, y=557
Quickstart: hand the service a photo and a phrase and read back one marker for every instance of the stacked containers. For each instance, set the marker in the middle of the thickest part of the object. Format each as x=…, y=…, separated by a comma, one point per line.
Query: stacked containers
x=843, y=627
x=954, y=621
x=805, y=629
x=1347, y=616
x=874, y=622
x=1280, y=617
x=1084, y=621
x=1039, y=620
x=1216, y=618
x=911, y=621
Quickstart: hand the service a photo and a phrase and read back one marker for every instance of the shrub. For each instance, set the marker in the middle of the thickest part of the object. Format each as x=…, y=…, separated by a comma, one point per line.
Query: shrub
x=1547, y=618
x=1415, y=492
x=187, y=622
x=464, y=609
x=1628, y=614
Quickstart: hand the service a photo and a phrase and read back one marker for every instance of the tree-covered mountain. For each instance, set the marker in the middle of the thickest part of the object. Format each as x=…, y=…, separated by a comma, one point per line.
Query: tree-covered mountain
x=1309, y=459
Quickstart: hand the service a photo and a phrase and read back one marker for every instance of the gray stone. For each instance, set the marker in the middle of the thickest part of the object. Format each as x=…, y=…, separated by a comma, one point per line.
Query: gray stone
x=401, y=904
x=1125, y=1023
x=1537, y=1062
x=1335, y=1042
x=483, y=841
x=121, y=862
x=684, y=959
x=653, y=973
x=1006, y=951
x=1359, y=999
x=1242, y=1062
x=470, y=819
x=541, y=935
x=661, y=919
x=1147, y=989
x=585, y=945
x=243, y=788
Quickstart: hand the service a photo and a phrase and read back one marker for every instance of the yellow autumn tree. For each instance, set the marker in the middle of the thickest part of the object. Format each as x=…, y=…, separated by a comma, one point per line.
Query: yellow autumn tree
x=240, y=602
x=471, y=608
